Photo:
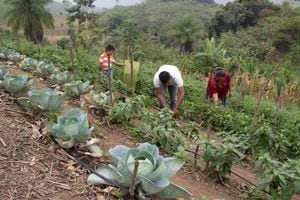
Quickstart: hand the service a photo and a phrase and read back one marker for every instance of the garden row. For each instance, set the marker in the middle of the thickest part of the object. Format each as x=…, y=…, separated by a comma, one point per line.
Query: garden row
x=272, y=140
x=73, y=130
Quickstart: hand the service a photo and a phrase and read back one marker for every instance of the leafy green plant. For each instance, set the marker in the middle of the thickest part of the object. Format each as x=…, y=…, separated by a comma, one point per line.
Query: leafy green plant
x=102, y=98
x=3, y=71
x=77, y=88
x=73, y=128
x=10, y=55
x=281, y=179
x=30, y=64
x=220, y=158
x=153, y=173
x=163, y=130
x=61, y=77
x=45, y=69
x=16, y=84
x=44, y=100
x=123, y=112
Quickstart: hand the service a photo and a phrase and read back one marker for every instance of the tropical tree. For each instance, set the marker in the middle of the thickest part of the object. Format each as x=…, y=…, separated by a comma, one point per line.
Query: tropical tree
x=185, y=32
x=31, y=16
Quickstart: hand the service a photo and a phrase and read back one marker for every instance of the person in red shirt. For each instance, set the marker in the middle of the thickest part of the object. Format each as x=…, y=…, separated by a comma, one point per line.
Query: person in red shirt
x=106, y=60
x=219, y=86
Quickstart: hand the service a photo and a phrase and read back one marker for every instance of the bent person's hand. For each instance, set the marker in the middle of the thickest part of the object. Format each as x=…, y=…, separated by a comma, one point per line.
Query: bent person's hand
x=175, y=113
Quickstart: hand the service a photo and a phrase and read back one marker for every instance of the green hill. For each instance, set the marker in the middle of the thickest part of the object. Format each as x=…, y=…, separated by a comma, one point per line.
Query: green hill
x=156, y=18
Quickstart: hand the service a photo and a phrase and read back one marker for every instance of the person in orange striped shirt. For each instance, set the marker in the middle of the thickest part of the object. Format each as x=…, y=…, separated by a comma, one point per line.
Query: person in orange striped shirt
x=106, y=60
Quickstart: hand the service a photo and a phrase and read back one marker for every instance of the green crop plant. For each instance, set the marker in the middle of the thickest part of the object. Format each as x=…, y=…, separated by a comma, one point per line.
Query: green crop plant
x=44, y=100
x=123, y=112
x=78, y=88
x=220, y=158
x=16, y=84
x=101, y=99
x=61, y=78
x=45, y=69
x=3, y=71
x=153, y=171
x=73, y=129
x=281, y=179
x=10, y=55
x=163, y=130
x=30, y=64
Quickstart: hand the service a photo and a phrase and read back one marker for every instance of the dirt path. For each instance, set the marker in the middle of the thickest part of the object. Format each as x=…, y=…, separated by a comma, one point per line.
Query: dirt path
x=43, y=167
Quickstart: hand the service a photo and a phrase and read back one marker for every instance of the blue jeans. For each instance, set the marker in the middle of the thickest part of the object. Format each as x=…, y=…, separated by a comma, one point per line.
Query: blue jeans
x=173, y=92
x=108, y=73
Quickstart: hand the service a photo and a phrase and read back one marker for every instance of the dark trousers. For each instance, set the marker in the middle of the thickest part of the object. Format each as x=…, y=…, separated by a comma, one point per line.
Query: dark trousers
x=173, y=92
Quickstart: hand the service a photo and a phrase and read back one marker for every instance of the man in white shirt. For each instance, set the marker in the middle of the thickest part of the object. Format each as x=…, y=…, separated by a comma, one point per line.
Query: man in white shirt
x=169, y=76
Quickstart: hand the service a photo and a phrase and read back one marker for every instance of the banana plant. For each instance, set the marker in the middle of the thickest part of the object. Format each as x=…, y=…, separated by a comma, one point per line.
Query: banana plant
x=46, y=69
x=44, y=100
x=30, y=64
x=16, y=84
x=61, y=78
x=3, y=71
x=77, y=88
x=73, y=128
x=153, y=172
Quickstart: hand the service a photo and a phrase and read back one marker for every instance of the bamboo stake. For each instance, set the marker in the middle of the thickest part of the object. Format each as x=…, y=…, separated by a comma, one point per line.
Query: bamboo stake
x=257, y=110
x=208, y=138
x=131, y=70
x=133, y=180
x=110, y=83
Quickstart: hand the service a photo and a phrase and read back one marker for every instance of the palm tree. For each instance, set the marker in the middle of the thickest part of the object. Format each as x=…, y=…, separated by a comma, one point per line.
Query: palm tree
x=31, y=16
x=185, y=32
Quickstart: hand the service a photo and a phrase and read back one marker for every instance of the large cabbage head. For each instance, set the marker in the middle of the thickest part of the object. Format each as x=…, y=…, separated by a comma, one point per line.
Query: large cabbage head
x=72, y=127
x=78, y=88
x=16, y=84
x=3, y=71
x=43, y=100
x=154, y=171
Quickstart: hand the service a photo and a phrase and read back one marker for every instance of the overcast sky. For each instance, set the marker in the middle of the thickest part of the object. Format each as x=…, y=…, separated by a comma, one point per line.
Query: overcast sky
x=112, y=3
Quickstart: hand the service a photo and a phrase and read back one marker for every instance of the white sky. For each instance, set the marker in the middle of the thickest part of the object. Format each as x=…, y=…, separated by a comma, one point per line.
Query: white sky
x=112, y=3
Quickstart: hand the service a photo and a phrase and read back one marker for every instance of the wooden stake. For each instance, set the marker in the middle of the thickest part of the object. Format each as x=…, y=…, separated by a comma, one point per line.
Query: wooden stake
x=257, y=110
x=131, y=71
x=110, y=83
x=208, y=138
x=133, y=180
x=195, y=156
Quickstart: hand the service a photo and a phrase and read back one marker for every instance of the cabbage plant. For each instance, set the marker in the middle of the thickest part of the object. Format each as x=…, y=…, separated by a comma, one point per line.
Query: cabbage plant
x=102, y=98
x=44, y=100
x=78, y=88
x=45, y=69
x=153, y=174
x=30, y=64
x=3, y=71
x=10, y=55
x=61, y=77
x=16, y=84
x=73, y=128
